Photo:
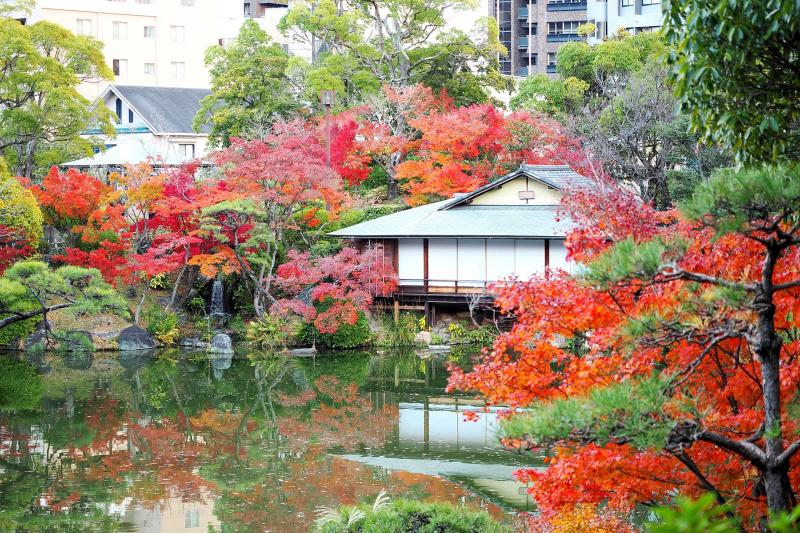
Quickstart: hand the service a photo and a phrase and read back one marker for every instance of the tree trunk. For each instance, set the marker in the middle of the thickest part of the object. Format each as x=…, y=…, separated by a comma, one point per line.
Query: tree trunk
x=767, y=344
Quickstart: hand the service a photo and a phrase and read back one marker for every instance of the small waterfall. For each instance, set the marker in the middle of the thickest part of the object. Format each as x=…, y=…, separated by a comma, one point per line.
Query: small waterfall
x=217, y=305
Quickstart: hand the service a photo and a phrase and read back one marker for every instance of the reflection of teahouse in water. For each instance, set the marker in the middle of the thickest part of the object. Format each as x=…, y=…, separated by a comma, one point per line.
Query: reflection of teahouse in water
x=433, y=436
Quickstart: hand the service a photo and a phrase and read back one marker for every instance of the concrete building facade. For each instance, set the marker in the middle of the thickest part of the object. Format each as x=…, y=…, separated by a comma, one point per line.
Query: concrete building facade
x=634, y=16
x=157, y=43
x=533, y=31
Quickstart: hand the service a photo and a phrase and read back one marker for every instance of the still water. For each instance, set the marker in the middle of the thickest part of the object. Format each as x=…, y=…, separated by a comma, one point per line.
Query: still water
x=175, y=441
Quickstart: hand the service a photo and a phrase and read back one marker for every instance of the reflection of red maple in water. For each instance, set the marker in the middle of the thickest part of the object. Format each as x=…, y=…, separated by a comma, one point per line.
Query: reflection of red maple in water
x=170, y=457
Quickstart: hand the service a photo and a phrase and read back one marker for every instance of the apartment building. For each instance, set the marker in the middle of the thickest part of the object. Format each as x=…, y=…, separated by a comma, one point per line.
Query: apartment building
x=157, y=43
x=534, y=30
x=635, y=16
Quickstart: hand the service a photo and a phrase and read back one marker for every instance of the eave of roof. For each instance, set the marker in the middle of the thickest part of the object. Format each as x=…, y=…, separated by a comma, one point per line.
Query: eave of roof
x=477, y=221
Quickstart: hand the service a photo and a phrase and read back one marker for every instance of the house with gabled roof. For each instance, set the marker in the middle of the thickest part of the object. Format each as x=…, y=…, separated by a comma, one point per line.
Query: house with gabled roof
x=449, y=252
x=151, y=123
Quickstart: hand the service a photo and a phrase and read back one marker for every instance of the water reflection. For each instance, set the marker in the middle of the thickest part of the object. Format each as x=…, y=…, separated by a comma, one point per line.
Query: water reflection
x=184, y=442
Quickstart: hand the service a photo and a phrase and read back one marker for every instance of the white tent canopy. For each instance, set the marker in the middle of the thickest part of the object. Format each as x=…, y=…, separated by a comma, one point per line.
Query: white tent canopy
x=129, y=152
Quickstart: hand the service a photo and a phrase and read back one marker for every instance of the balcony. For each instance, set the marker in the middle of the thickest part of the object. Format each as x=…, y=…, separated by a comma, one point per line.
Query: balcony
x=522, y=43
x=522, y=71
x=566, y=6
x=522, y=13
x=563, y=37
x=551, y=69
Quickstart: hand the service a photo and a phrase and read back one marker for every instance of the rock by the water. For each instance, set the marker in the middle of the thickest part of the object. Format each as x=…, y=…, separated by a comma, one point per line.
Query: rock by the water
x=134, y=338
x=193, y=343
x=303, y=351
x=35, y=341
x=439, y=347
x=77, y=341
x=221, y=343
x=423, y=337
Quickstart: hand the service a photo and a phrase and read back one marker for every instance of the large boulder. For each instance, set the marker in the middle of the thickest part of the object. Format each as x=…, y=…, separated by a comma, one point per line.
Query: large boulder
x=423, y=337
x=134, y=338
x=77, y=341
x=221, y=343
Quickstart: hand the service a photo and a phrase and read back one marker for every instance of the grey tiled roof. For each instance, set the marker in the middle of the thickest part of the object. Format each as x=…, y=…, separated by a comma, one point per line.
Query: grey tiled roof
x=466, y=221
x=167, y=109
x=458, y=217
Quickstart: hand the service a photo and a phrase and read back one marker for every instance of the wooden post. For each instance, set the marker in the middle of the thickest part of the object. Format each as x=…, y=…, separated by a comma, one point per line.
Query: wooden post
x=396, y=311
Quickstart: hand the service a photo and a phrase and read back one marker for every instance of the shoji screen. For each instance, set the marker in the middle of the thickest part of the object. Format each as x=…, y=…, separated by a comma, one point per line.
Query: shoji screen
x=410, y=262
x=471, y=262
x=443, y=262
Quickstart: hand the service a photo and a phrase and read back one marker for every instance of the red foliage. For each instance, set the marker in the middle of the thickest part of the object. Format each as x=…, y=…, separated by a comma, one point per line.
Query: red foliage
x=531, y=362
x=13, y=247
x=349, y=280
x=71, y=195
x=109, y=258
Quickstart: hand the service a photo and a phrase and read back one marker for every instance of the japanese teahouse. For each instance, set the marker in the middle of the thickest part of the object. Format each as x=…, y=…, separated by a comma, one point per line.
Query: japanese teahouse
x=447, y=253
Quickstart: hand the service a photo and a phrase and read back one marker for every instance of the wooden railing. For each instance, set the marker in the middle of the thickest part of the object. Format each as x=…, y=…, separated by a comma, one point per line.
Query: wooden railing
x=443, y=286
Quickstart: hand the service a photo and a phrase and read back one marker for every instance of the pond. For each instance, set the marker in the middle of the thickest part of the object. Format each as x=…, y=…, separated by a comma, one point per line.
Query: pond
x=179, y=441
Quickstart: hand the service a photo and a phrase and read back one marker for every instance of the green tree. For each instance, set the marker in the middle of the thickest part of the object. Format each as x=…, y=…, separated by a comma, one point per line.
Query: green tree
x=616, y=96
x=19, y=211
x=551, y=96
x=250, y=87
x=42, y=114
x=32, y=289
x=402, y=42
x=735, y=70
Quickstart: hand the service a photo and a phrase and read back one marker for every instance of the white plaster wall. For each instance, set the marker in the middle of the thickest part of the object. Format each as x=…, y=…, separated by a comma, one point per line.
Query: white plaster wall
x=508, y=194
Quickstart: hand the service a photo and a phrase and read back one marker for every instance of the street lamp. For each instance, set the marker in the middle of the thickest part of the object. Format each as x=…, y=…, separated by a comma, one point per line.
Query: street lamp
x=328, y=100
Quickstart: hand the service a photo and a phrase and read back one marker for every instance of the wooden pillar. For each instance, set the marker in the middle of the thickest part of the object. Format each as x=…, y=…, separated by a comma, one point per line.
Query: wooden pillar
x=425, y=265
x=547, y=258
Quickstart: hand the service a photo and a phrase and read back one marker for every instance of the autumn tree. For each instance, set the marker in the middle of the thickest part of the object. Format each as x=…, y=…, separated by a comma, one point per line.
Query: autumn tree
x=268, y=187
x=670, y=364
x=20, y=219
x=346, y=283
x=461, y=149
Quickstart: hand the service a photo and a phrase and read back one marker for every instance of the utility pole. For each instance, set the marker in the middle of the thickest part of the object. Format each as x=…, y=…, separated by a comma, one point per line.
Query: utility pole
x=328, y=100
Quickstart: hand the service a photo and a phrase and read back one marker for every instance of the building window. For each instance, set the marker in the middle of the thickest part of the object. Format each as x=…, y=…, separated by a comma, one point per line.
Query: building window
x=177, y=34
x=626, y=3
x=118, y=110
x=149, y=69
x=119, y=30
x=186, y=151
x=130, y=116
x=566, y=1
x=569, y=27
x=149, y=32
x=178, y=70
x=551, y=59
x=83, y=26
x=187, y=3
x=120, y=67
